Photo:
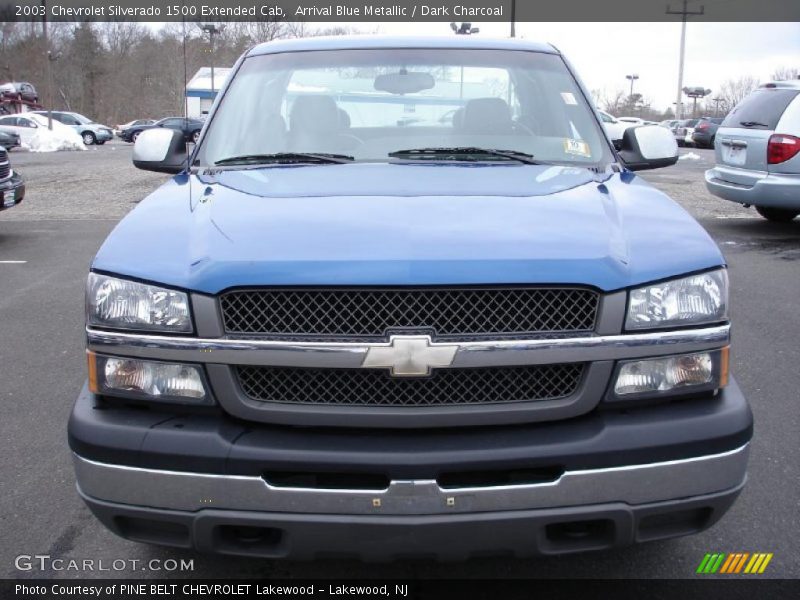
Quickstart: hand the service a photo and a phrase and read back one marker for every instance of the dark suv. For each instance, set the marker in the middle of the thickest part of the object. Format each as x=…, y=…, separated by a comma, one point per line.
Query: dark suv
x=189, y=127
x=705, y=132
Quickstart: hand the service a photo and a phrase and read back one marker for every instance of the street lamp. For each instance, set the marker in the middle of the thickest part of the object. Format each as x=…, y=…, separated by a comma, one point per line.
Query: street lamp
x=632, y=77
x=694, y=93
x=464, y=29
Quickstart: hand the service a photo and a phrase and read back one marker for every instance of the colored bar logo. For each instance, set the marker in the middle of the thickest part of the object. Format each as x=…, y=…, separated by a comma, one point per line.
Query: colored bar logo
x=734, y=563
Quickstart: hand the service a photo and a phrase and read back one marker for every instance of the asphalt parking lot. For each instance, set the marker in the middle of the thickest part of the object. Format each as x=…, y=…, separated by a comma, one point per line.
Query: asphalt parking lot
x=73, y=201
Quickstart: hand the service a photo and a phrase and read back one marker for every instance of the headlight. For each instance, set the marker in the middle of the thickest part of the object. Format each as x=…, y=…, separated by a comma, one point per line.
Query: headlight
x=671, y=375
x=122, y=304
x=147, y=380
x=690, y=300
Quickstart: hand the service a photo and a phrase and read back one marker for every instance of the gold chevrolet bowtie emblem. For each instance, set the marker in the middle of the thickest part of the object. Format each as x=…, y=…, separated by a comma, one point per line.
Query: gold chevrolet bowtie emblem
x=410, y=355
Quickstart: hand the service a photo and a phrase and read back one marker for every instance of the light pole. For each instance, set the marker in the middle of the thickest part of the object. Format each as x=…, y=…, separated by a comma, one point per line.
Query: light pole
x=685, y=13
x=632, y=77
x=716, y=102
x=463, y=29
x=211, y=30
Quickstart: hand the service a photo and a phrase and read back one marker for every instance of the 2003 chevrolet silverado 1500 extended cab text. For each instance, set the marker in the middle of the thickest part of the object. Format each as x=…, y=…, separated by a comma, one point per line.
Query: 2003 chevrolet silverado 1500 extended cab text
x=404, y=298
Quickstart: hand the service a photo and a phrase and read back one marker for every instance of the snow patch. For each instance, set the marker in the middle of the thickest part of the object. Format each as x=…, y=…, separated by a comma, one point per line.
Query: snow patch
x=689, y=156
x=60, y=138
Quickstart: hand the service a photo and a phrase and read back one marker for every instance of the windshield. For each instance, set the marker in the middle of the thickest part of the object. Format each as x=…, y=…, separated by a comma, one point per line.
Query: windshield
x=370, y=104
x=81, y=119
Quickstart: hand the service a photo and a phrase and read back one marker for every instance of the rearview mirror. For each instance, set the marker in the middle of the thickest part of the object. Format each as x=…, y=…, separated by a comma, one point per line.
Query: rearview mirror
x=161, y=150
x=648, y=147
x=404, y=82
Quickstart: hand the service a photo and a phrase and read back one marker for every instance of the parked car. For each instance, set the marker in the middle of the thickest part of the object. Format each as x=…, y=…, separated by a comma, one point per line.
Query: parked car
x=90, y=132
x=669, y=123
x=632, y=120
x=26, y=125
x=19, y=89
x=383, y=341
x=683, y=132
x=705, y=132
x=614, y=128
x=120, y=128
x=12, y=186
x=189, y=127
x=758, y=152
x=9, y=139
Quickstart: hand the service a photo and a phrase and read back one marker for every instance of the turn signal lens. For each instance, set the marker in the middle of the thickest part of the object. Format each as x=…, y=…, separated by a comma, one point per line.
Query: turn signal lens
x=91, y=359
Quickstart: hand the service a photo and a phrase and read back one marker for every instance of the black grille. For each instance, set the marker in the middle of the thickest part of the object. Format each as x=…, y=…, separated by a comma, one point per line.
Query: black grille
x=376, y=312
x=370, y=387
x=5, y=167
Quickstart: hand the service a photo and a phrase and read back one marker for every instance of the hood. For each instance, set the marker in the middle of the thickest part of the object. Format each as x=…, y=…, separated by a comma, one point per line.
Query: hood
x=406, y=224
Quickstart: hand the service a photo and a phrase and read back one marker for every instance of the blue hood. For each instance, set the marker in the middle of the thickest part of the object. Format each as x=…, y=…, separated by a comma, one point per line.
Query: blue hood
x=406, y=224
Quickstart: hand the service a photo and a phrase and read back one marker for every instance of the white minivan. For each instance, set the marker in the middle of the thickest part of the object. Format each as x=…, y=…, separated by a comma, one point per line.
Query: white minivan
x=758, y=152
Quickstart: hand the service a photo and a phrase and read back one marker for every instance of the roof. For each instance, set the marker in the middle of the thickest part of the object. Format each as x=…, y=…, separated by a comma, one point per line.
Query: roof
x=792, y=84
x=360, y=42
x=201, y=81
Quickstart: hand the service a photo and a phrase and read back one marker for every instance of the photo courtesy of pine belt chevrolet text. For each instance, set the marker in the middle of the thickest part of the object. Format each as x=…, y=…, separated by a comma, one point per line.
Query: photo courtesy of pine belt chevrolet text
x=404, y=298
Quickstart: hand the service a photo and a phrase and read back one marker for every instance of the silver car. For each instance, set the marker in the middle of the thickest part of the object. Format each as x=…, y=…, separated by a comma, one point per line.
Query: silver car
x=758, y=152
x=90, y=132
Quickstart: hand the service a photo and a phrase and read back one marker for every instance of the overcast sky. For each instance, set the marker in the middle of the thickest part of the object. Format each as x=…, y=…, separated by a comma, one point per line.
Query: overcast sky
x=603, y=53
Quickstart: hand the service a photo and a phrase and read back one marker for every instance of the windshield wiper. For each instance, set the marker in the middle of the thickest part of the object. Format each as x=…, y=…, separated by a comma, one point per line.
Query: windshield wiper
x=454, y=153
x=285, y=158
x=752, y=124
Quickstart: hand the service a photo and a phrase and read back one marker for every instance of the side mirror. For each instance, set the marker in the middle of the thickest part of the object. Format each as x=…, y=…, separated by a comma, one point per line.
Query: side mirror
x=161, y=150
x=648, y=147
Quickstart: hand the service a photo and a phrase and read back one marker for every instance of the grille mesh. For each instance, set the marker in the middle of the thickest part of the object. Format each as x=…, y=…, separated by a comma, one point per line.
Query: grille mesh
x=375, y=312
x=5, y=167
x=370, y=387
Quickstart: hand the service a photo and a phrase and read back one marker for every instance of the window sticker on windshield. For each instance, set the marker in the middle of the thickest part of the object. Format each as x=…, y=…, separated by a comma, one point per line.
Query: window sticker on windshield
x=568, y=98
x=577, y=147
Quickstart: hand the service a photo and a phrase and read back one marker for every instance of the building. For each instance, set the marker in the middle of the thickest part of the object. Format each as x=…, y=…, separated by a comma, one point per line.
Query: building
x=200, y=92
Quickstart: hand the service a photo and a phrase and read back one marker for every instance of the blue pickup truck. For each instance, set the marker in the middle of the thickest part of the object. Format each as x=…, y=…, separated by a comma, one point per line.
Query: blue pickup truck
x=405, y=298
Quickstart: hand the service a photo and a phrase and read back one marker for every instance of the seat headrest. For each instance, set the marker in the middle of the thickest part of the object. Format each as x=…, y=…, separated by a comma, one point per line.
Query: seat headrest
x=487, y=115
x=314, y=113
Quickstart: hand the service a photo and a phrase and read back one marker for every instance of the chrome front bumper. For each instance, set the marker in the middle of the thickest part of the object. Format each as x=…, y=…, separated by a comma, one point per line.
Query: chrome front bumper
x=631, y=485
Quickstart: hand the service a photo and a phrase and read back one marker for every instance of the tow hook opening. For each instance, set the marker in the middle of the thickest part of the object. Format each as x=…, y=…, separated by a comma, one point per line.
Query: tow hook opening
x=580, y=535
x=249, y=539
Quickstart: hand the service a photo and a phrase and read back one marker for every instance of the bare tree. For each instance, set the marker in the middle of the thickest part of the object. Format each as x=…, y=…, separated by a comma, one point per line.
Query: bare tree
x=786, y=73
x=117, y=71
x=614, y=101
x=734, y=91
